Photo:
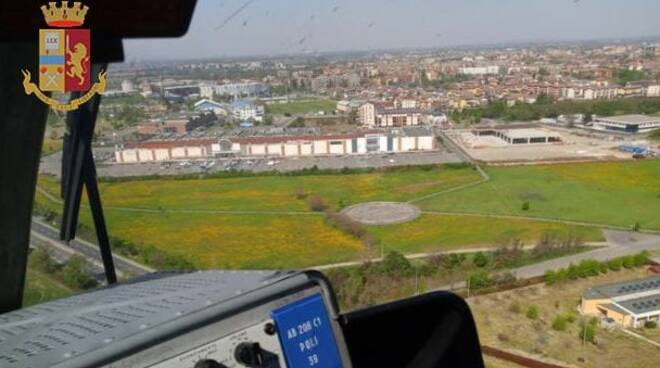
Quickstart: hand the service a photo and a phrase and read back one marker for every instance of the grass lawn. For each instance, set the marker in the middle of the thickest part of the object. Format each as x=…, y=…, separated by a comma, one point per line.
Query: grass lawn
x=502, y=327
x=213, y=241
x=616, y=193
x=277, y=193
x=582, y=192
x=253, y=241
x=51, y=146
x=237, y=241
x=41, y=288
x=302, y=107
x=434, y=232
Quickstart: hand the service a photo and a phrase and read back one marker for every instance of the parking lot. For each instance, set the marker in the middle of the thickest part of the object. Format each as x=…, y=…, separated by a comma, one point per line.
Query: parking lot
x=106, y=168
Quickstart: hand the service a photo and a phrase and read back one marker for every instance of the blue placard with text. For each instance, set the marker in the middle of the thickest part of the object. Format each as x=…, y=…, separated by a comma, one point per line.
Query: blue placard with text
x=306, y=334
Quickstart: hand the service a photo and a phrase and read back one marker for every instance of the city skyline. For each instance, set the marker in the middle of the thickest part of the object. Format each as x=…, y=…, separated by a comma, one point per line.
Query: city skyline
x=236, y=28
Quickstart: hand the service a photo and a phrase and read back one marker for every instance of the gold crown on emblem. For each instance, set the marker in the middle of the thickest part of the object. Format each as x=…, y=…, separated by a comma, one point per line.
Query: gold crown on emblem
x=65, y=16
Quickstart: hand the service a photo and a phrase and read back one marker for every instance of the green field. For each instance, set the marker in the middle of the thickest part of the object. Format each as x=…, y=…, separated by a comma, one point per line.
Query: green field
x=433, y=233
x=302, y=107
x=221, y=222
x=41, y=288
x=278, y=193
x=51, y=146
x=613, y=193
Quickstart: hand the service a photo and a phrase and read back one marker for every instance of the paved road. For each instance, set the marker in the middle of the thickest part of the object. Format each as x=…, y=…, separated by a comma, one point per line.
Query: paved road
x=622, y=243
x=61, y=254
x=413, y=256
x=47, y=235
x=619, y=243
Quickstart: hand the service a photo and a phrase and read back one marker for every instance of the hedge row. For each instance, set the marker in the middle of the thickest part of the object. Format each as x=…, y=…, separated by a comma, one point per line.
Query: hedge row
x=591, y=268
x=304, y=172
x=75, y=273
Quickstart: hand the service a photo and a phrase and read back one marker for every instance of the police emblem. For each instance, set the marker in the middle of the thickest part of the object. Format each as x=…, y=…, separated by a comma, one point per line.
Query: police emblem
x=64, y=57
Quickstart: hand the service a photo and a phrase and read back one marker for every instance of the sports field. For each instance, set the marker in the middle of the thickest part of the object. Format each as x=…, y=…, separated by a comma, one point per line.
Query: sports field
x=302, y=107
x=265, y=222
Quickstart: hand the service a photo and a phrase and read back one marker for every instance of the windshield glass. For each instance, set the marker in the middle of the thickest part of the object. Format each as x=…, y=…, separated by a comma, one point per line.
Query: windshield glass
x=506, y=151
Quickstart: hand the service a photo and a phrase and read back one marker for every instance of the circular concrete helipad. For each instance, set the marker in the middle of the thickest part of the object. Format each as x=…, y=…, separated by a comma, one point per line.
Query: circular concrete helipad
x=382, y=213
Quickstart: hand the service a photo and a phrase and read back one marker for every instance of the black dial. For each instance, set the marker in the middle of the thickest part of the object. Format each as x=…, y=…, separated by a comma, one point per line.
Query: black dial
x=249, y=354
x=209, y=363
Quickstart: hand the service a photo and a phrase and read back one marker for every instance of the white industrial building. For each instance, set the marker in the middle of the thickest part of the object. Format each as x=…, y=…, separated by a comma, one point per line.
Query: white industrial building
x=248, y=110
x=627, y=123
x=510, y=134
x=236, y=90
x=127, y=86
x=358, y=143
x=210, y=105
x=480, y=70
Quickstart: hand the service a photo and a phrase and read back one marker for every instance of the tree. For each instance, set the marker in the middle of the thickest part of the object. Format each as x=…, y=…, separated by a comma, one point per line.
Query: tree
x=479, y=279
x=543, y=99
x=588, y=268
x=480, y=260
x=573, y=272
x=299, y=122
x=588, y=332
x=353, y=117
x=525, y=206
x=626, y=76
x=453, y=261
x=41, y=260
x=76, y=274
x=629, y=262
x=268, y=120
x=317, y=204
x=396, y=263
x=642, y=259
x=551, y=277
x=559, y=323
x=615, y=264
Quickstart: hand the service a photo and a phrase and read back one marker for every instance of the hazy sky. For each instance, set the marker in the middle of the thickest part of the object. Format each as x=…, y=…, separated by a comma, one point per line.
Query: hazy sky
x=265, y=27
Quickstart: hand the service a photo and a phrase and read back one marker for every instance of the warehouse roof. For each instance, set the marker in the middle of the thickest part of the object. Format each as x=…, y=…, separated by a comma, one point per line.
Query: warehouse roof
x=630, y=119
x=646, y=285
x=529, y=133
x=642, y=305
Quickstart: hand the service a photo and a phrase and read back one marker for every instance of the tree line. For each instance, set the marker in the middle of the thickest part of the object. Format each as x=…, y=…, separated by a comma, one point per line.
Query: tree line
x=545, y=107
